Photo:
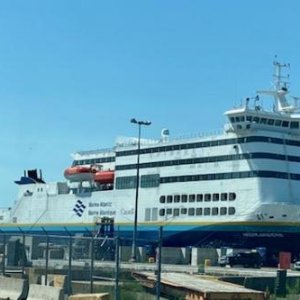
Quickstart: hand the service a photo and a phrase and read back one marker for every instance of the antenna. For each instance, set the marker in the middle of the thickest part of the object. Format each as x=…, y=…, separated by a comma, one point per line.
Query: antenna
x=280, y=89
x=278, y=77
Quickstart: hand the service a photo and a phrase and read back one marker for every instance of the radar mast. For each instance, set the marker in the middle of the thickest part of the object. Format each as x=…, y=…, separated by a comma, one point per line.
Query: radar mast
x=280, y=90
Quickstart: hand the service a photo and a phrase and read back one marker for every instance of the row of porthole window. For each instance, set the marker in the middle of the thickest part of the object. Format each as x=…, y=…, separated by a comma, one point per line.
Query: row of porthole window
x=198, y=211
x=197, y=197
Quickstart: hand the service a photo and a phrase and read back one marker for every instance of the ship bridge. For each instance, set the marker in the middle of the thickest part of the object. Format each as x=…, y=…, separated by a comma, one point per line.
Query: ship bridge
x=284, y=117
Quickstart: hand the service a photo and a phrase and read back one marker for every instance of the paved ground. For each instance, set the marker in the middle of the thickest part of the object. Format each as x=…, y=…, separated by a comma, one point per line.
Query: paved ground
x=212, y=270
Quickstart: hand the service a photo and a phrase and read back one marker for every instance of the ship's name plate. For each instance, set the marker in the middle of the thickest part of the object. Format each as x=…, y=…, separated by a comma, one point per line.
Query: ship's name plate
x=263, y=234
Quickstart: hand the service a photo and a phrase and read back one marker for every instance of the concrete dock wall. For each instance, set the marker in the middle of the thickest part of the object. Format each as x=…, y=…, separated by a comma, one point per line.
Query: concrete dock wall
x=13, y=288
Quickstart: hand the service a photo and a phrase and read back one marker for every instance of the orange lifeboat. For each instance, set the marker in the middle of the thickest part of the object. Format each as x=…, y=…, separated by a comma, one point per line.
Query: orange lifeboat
x=104, y=177
x=79, y=173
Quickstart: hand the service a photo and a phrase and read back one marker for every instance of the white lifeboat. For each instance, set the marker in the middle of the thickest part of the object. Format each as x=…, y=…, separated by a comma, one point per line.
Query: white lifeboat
x=80, y=173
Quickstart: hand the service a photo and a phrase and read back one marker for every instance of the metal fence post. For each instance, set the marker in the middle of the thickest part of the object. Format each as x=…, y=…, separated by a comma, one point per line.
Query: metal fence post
x=23, y=253
x=92, y=265
x=117, y=271
x=4, y=252
x=47, y=255
x=70, y=267
x=70, y=262
x=158, y=278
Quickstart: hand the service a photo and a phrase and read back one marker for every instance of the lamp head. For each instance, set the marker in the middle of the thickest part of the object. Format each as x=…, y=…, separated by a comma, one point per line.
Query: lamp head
x=147, y=123
x=135, y=121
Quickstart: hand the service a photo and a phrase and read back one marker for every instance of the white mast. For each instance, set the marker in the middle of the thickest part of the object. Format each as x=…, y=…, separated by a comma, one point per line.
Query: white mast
x=280, y=90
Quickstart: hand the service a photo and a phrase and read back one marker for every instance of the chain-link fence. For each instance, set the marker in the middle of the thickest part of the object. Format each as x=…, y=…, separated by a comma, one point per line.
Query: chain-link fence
x=84, y=263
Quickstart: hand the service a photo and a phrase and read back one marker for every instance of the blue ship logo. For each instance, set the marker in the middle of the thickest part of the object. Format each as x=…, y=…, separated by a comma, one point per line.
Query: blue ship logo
x=79, y=208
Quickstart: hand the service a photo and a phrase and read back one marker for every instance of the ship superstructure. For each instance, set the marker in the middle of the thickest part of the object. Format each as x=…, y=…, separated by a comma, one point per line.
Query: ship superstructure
x=237, y=188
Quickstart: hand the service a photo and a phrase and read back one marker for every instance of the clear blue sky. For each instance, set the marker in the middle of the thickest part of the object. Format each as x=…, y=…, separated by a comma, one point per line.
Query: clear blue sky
x=73, y=73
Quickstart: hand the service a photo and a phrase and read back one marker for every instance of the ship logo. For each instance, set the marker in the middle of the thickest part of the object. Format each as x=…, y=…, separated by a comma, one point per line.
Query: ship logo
x=79, y=208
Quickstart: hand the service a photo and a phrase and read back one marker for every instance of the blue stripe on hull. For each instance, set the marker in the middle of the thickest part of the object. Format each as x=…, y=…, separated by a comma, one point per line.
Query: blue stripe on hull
x=283, y=238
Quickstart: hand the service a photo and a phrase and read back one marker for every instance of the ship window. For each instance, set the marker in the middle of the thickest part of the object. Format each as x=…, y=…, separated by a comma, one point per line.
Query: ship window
x=199, y=197
x=162, y=199
x=223, y=211
x=237, y=119
x=285, y=124
x=249, y=118
x=191, y=211
x=169, y=199
x=154, y=213
x=232, y=119
x=216, y=197
x=271, y=122
x=207, y=197
x=294, y=124
x=147, y=214
x=263, y=121
x=183, y=211
x=232, y=196
x=199, y=211
x=192, y=198
x=183, y=198
x=231, y=210
x=256, y=119
x=177, y=198
x=149, y=181
x=176, y=212
x=169, y=211
x=215, y=211
x=206, y=211
x=162, y=212
x=277, y=122
x=126, y=182
x=242, y=118
x=223, y=196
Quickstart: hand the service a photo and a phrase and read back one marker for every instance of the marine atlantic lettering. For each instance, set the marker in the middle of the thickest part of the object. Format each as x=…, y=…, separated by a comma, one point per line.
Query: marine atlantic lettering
x=101, y=209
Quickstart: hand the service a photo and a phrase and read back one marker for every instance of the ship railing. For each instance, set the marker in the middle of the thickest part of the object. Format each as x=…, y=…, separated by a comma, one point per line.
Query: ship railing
x=95, y=151
x=150, y=142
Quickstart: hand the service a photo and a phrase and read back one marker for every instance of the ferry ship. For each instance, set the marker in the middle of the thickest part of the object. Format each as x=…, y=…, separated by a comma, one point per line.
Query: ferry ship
x=239, y=188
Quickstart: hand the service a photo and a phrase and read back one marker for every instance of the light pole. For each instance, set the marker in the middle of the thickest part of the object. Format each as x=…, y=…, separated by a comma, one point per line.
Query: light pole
x=139, y=123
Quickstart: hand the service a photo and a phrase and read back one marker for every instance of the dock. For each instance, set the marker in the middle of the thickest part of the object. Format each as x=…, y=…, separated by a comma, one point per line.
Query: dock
x=197, y=287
